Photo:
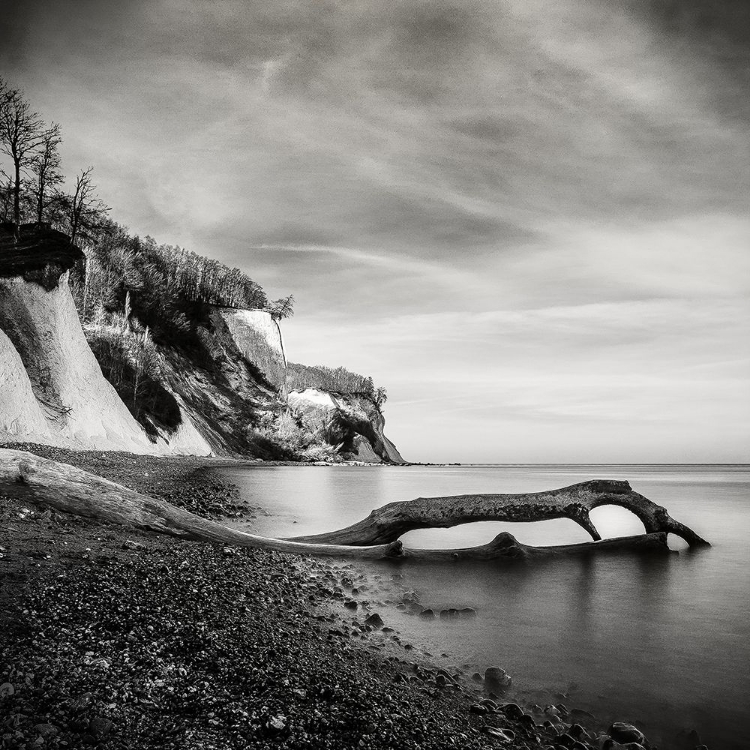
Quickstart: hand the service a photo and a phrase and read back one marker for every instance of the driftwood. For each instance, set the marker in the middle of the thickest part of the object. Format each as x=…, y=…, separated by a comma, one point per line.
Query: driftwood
x=388, y=523
x=71, y=490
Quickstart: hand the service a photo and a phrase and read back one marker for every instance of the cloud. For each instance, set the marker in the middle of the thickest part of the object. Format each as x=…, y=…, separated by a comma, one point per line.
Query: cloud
x=514, y=215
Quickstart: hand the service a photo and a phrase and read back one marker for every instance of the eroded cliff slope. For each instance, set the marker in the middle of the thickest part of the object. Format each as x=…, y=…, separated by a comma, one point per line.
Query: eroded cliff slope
x=111, y=385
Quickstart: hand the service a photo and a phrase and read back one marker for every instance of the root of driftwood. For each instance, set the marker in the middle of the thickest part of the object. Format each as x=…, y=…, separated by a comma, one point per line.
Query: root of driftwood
x=388, y=523
x=68, y=489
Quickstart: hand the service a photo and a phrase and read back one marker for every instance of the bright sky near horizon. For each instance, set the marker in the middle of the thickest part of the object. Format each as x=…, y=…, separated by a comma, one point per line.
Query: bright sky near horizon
x=528, y=220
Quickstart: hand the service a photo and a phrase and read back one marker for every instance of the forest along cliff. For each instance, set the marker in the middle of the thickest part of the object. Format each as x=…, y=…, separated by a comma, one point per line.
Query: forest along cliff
x=154, y=349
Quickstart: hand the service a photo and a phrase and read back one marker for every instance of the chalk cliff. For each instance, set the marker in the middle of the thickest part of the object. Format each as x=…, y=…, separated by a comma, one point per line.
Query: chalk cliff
x=227, y=394
x=64, y=384
x=360, y=423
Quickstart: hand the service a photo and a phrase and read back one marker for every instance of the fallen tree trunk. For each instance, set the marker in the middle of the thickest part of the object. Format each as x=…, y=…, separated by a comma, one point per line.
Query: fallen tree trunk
x=388, y=523
x=71, y=490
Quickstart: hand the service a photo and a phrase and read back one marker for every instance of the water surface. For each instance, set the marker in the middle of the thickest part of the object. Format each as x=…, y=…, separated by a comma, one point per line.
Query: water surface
x=661, y=640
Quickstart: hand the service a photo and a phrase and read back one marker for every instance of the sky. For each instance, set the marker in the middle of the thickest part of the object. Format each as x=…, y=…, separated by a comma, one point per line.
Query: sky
x=527, y=220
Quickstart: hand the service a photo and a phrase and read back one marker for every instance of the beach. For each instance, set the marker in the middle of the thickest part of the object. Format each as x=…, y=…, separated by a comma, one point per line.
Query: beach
x=123, y=639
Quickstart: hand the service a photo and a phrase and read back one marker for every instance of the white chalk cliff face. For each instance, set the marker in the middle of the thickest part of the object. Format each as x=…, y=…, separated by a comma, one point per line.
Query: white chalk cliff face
x=64, y=384
x=21, y=416
x=257, y=336
x=372, y=446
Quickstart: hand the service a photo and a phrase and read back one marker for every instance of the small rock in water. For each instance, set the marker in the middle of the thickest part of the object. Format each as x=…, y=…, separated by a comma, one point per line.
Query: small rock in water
x=623, y=732
x=374, y=620
x=496, y=680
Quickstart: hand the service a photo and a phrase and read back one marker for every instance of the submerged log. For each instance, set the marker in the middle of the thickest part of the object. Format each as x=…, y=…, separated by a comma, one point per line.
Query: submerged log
x=388, y=523
x=506, y=547
x=71, y=490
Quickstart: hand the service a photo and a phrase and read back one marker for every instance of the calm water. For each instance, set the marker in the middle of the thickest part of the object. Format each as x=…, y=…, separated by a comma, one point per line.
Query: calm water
x=660, y=640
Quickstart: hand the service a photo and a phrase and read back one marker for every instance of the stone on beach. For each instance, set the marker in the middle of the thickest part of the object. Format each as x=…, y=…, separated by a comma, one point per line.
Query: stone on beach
x=496, y=680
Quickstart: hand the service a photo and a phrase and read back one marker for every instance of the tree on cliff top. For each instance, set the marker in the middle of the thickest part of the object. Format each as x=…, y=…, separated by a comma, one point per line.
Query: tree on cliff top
x=45, y=171
x=84, y=210
x=281, y=308
x=22, y=134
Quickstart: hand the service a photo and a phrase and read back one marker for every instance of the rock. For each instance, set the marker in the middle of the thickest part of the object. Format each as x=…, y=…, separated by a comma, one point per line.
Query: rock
x=100, y=727
x=427, y=614
x=130, y=544
x=577, y=731
x=512, y=710
x=497, y=680
x=351, y=604
x=277, y=723
x=6, y=689
x=477, y=677
x=622, y=732
x=46, y=730
x=374, y=620
x=527, y=721
x=467, y=612
x=448, y=614
x=504, y=735
x=478, y=708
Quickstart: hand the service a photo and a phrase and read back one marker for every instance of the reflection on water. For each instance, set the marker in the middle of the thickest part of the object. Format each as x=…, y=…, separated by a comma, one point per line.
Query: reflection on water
x=662, y=639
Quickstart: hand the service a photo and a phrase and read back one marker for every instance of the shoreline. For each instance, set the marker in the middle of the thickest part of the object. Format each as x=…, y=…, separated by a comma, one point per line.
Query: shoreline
x=322, y=676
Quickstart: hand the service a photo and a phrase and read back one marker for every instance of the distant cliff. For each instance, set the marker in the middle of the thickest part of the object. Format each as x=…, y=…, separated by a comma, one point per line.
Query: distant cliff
x=110, y=385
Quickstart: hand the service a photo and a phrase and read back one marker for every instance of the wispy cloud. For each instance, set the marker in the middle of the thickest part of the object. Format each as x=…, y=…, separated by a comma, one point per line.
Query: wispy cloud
x=517, y=215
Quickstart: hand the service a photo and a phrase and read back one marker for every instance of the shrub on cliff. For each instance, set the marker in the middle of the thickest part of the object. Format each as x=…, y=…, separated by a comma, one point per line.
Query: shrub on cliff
x=335, y=380
x=131, y=363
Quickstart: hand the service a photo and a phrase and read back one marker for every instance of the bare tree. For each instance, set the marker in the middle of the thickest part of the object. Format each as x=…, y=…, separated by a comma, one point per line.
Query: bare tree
x=45, y=170
x=22, y=132
x=84, y=209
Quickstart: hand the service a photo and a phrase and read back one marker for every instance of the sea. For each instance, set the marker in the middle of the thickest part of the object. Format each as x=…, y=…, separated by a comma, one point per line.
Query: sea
x=659, y=640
